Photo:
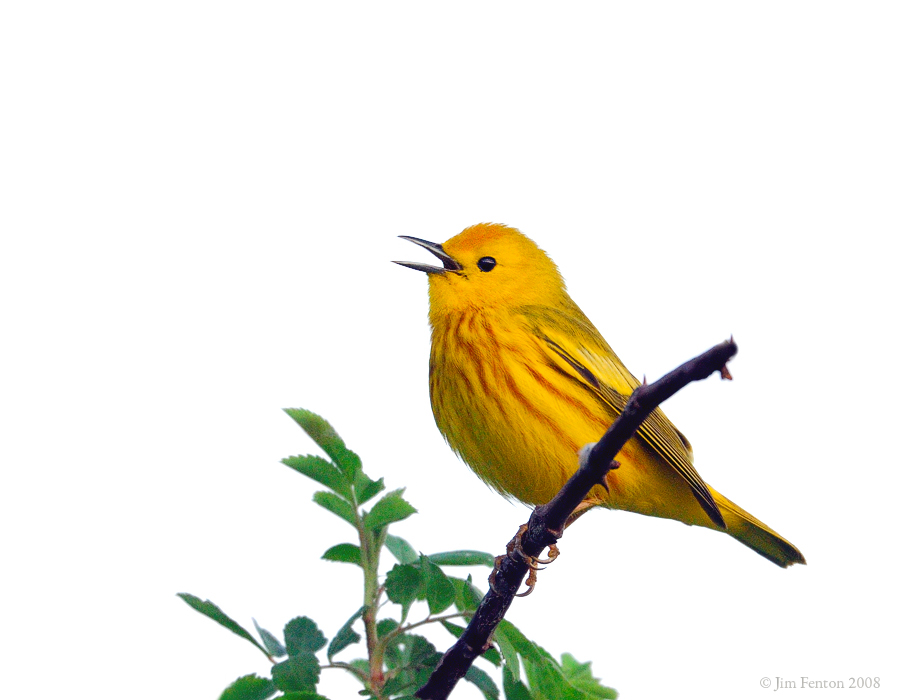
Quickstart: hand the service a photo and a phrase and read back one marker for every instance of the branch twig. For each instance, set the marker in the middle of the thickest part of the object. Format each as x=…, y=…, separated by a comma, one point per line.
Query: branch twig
x=546, y=524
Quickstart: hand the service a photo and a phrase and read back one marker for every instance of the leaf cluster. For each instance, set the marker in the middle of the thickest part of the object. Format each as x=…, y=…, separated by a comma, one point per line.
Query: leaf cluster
x=397, y=659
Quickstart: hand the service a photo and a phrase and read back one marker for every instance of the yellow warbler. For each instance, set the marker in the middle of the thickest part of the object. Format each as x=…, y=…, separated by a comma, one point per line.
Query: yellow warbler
x=521, y=380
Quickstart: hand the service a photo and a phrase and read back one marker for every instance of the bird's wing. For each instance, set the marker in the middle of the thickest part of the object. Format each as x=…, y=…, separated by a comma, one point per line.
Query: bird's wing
x=579, y=350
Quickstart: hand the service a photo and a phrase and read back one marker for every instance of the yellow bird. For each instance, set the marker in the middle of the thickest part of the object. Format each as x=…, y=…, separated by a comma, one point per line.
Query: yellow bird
x=521, y=380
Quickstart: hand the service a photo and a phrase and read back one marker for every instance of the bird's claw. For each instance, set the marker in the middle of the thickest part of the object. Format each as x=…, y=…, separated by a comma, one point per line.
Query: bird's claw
x=514, y=549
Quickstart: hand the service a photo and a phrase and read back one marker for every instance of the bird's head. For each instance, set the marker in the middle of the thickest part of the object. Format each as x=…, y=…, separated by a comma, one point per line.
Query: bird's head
x=488, y=266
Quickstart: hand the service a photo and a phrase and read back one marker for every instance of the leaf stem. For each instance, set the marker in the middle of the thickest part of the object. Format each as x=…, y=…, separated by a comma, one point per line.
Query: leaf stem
x=428, y=620
x=347, y=667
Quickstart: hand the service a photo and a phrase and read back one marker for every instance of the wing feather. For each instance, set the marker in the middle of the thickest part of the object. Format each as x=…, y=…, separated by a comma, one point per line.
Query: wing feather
x=588, y=359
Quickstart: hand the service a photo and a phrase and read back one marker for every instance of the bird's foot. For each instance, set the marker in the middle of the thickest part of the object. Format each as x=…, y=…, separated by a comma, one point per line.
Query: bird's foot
x=514, y=549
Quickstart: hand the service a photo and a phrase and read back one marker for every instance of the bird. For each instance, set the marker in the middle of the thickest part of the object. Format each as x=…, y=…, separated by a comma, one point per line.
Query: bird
x=520, y=381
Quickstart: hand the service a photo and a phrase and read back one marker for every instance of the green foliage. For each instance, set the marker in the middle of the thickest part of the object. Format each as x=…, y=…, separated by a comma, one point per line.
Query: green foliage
x=401, y=549
x=410, y=660
x=439, y=591
x=390, y=509
x=404, y=584
x=300, y=673
x=249, y=688
x=397, y=662
x=547, y=678
x=349, y=553
x=462, y=557
x=301, y=634
x=483, y=682
x=270, y=642
x=325, y=437
x=581, y=676
x=345, y=636
x=214, y=612
x=337, y=505
x=321, y=470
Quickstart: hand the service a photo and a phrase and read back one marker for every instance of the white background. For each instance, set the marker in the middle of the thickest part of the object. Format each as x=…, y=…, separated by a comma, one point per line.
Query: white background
x=200, y=203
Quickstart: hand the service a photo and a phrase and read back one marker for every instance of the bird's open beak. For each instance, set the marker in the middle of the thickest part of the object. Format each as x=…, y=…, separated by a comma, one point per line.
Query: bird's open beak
x=450, y=265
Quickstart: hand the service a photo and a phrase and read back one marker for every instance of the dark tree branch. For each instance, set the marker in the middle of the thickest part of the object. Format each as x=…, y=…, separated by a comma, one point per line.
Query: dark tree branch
x=547, y=522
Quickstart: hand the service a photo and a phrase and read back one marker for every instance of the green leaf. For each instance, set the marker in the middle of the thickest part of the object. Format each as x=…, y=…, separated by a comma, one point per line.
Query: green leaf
x=453, y=628
x=214, y=612
x=302, y=635
x=413, y=659
x=320, y=470
x=270, y=641
x=404, y=583
x=318, y=429
x=483, y=682
x=493, y=656
x=524, y=646
x=513, y=688
x=349, y=553
x=348, y=462
x=365, y=488
x=401, y=549
x=581, y=677
x=510, y=656
x=390, y=509
x=545, y=676
x=301, y=696
x=439, y=590
x=467, y=596
x=336, y=505
x=345, y=635
x=299, y=672
x=546, y=681
x=250, y=687
x=463, y=557
x=386, y=626
x=326, y=437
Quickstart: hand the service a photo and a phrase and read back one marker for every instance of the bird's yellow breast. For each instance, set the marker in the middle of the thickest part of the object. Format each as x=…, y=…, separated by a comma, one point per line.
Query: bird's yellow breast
x=504, y=407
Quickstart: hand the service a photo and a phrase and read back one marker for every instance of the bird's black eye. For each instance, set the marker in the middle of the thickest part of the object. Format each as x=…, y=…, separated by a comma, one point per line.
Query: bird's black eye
x=486, y=264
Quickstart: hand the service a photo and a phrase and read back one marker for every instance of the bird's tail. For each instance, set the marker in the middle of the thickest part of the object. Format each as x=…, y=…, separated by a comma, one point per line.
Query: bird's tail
x=757, y=535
